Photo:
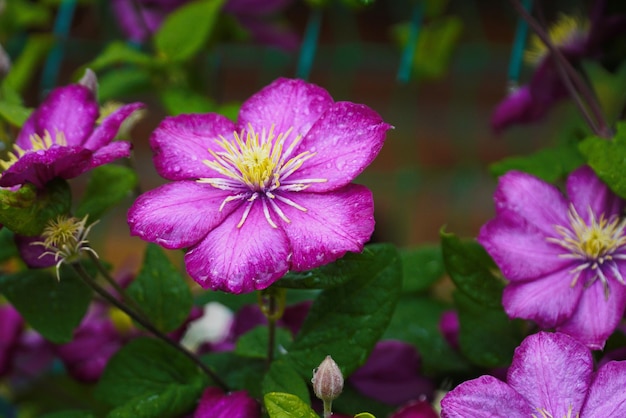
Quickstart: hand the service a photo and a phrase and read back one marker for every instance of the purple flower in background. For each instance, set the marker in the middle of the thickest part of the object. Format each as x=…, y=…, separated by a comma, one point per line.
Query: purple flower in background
x=576, y=39
x=565, y=259
x=11, y=326
x=269, y=194
x=551, y=376
x=140, y=19
x=60, y=138
x=215, y=404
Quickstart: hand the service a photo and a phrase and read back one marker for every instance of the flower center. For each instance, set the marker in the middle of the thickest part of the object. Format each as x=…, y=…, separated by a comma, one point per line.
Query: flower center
x=256, y=165
x=565, y=31
x=597, y=245
x=37, y=143
x=543, y=413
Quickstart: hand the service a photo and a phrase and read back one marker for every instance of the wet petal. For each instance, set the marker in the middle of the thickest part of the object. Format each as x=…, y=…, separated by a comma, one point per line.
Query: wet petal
x=178, y=215
x=553, y=372
x=345, y=140
x=485, y=396
x=215, y=404
x=607, y=397
x=181, y=144
x=548, y=300
x=333, y=224
x=586, y=190
x=109, y=127
x=239, y=260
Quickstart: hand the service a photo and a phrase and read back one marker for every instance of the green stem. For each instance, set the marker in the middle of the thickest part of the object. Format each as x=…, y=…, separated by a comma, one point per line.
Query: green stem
x=82, y=273
x=328, y=409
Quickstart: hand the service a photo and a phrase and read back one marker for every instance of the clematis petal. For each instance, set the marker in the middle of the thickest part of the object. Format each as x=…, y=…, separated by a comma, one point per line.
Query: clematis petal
x=215, y=404
x=71, y=110
x=526, y=196
x=110, y=152
x=553, y=372
x=240, y=259
x=11, y=326
x=109, y=127
x=178, y=215
x=345, y=139
x=333, y=224
x=607, y=397
x=33, y=255
x=285, y=104
x=586, y=190
x=548, y=300
x=519, y=248
x=596, y=317
x=485, y=396
x=181, y=144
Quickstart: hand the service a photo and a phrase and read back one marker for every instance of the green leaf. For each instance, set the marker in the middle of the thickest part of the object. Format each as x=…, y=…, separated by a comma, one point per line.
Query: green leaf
x=8, y=248
x=27, y=210
x=421, y=267
x=549, y=164
x=610, y=88
x=352, y=400
x=148, y=378
x=185, y=31
x=416, y=321
x=23, y=69
x=347, y=320
x=118, y=52
x=254, y=342
x=123, y=82
x=69, y=414
x=14, y=113
x=286, y=405
x=52, y=308
x=238, y=372
x=108, y=185
x=364, y=415
x=283, y=377
x=182, y=100
x=470, y=267
x=334, y=274
x=608, y=158
x=161, y=290
x=487, y=336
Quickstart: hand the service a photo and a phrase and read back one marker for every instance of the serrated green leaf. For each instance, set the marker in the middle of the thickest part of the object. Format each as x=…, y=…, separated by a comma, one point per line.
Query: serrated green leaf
x=108, y=185
x=161, y=290
x=181, y=100
x=608, y=158
x=334, y=274
x=487, y=336
x=52, y=308
x=147, y=373
x=470, y=267
x=253, y=343
x=286, y=405
x=283, y=377
x=28, y=210
x=186, y=30
x=549, y=164
x=421, y=267
x=346, y=321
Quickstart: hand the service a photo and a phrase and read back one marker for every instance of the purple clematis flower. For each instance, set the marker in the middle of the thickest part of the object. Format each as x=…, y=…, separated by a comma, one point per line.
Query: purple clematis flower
x=215, y=404
x=11, y=326
x=60, y=138
x=269, y=194
x=551, y=376
x=565, y=259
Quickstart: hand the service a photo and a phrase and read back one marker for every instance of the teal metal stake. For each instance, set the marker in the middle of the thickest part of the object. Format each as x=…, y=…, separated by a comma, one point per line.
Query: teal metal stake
x=61, y=30
x=309, y=44
x=406, y=61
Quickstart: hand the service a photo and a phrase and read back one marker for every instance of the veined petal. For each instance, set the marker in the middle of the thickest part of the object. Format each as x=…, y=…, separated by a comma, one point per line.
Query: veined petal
x=333, y=224
x=548, y=300
x=553, y=372
x=240, y=259
x=607, y=397
x=527, y=196
x=109, y=127
x=285, y=104
x=71, y=110
x=596, y=317
x=345, y=140
x=108, y=153
x=181, y=144
x=586, y=190
x=485, y=396
x=519, y=248
x=179, y=214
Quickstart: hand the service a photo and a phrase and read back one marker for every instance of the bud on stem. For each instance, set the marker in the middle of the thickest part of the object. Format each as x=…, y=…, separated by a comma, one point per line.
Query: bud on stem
x=327, y=383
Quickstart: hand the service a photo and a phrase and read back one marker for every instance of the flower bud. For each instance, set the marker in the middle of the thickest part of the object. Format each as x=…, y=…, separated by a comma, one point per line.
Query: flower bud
x=327, y=380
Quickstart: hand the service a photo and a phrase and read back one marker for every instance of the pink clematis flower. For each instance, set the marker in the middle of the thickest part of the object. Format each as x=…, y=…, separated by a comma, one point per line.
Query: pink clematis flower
x=215, y=404
x=60, y=138
x=269, y=194
x=565, y=259
x=551, y=376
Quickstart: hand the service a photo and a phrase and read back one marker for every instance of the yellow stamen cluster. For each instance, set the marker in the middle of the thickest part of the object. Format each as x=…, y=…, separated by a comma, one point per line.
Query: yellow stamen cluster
x=594, y=244
x=65, y=238
x=565, y=30
x=38, y=143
